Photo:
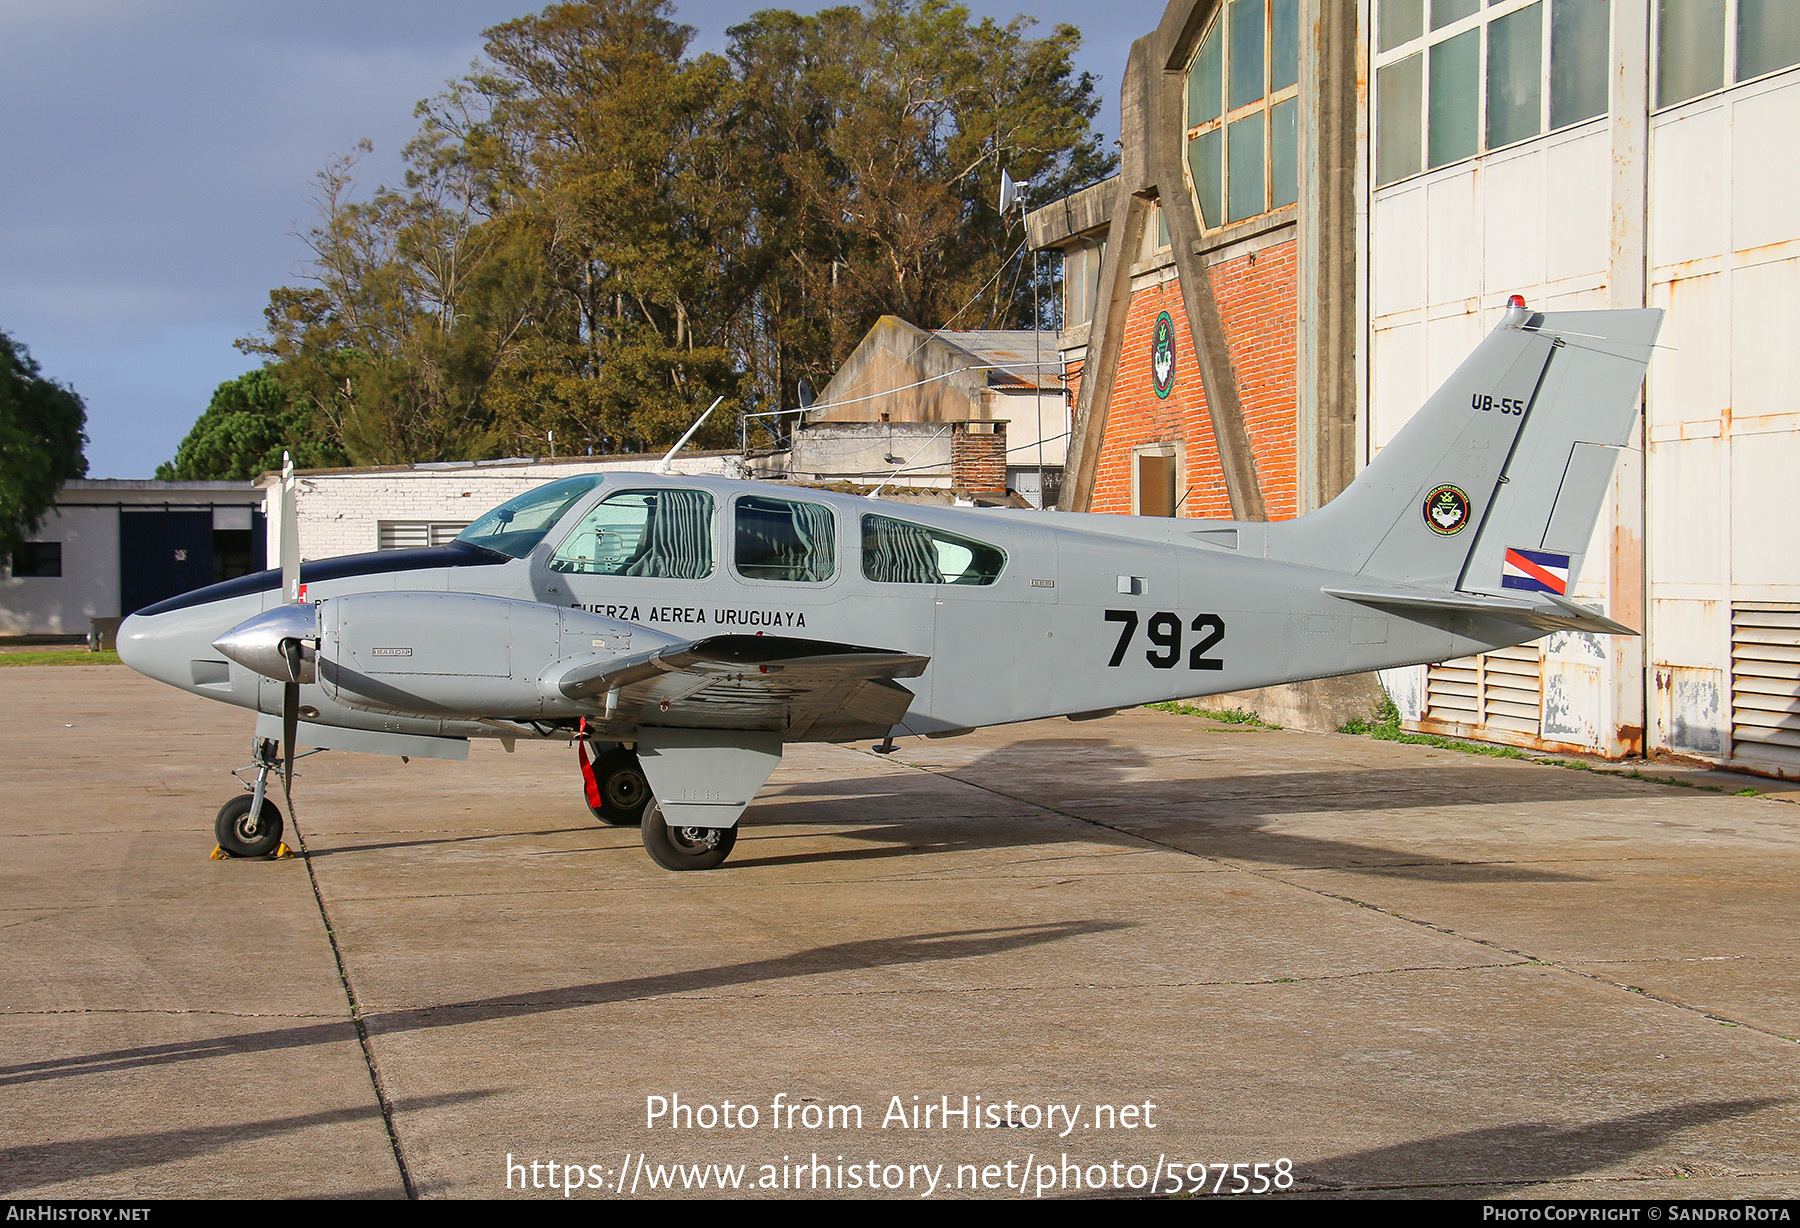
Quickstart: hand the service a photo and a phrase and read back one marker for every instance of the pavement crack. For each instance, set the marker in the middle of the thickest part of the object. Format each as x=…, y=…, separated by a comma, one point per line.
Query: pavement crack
x=356, y=1016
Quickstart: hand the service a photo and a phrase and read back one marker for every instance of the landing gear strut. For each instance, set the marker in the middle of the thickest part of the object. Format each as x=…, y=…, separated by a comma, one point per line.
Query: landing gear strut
x=251, y=826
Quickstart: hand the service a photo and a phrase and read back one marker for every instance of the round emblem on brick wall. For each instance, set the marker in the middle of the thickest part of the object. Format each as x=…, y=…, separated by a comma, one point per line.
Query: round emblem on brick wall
x=1162, y=355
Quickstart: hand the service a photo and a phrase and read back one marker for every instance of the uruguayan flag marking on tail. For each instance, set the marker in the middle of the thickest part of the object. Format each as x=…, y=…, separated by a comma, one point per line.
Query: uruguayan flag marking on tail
x=1535, y=571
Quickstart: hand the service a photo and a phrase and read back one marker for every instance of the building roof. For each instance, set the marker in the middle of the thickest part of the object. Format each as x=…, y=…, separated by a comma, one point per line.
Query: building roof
x=1028, y=355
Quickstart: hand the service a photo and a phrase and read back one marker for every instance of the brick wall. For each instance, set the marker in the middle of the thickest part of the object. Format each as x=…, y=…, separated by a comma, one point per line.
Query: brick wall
x=1258, y=300
x=1257, y=296
x=1138, y=416
x=978, y=462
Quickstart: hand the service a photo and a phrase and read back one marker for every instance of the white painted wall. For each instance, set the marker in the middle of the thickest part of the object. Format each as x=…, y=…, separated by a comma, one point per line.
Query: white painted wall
x=89, y=584
x=1448, y=249
x=340, y=511
x=1723, y=430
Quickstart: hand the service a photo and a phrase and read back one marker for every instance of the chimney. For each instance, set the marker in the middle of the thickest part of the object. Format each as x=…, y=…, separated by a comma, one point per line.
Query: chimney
x=978, y=457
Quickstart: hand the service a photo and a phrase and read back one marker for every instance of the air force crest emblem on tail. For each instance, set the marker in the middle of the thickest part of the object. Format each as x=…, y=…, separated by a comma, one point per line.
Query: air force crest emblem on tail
x=1446, y=510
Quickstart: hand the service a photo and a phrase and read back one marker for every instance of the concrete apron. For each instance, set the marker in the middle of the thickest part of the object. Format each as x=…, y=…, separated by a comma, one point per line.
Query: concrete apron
x=1400, y=969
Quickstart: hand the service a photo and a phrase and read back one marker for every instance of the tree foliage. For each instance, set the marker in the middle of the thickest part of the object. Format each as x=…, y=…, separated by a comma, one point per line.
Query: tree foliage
x=42, y=435
x=598, y=234
x=249, y=423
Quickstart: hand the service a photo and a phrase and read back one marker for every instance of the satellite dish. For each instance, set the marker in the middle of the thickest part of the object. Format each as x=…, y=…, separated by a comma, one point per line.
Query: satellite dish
x=806, y=395
x=1011, y=193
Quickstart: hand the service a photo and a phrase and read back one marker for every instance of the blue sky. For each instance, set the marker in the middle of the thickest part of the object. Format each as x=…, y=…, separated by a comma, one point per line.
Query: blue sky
x=159, y=159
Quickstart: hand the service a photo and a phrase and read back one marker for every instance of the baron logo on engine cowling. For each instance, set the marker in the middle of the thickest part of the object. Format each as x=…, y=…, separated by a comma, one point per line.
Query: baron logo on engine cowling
x=1446, y=510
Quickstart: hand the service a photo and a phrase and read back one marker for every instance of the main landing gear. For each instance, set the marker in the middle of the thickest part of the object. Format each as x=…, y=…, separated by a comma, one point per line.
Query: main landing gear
x=685, y=848
x=618, y=794
x=614, y=785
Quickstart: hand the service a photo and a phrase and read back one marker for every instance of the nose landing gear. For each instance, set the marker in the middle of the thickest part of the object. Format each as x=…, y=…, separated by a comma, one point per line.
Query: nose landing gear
x=250, y=826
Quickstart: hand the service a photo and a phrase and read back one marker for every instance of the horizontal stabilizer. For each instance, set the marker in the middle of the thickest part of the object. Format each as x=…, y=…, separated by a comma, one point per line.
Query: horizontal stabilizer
x=1546, y=611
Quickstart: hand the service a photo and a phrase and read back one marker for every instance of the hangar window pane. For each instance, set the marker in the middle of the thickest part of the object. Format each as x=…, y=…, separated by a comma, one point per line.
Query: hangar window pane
x=1205, y=153
x=1486, y=76
x=1690, y=49
x=42, y=560
x=1580, y=41
x=1284, y=44
x=655, y=533
x=1455, y=77
x=1514, y=76
x=1443, y=12
x=783, y=539
x=1768, y=36
x=1401, y=22
x=1246, y=52
x=1284, y=152
x=899, y=552
x=1244, y=75
x=1244, y=144
x=1206, y=80
x=1398, y=89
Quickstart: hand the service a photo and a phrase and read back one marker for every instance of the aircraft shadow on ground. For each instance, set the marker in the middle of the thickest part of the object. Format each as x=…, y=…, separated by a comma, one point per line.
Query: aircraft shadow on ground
x=1522, y=1153
x=1221, y=816
x=863, y=954
x=34, y=1165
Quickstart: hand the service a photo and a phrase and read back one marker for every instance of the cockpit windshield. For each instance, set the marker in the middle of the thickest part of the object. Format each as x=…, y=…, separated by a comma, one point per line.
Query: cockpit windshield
x=519, y=524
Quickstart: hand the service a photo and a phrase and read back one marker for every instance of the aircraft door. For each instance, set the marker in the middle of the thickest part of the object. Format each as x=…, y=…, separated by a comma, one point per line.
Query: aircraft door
x=995, y=638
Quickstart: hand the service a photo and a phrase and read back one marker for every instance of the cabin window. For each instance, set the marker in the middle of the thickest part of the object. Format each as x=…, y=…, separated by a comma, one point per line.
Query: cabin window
x=666, y=533
x=784, y=539
x=899, y=552
x=519, y=524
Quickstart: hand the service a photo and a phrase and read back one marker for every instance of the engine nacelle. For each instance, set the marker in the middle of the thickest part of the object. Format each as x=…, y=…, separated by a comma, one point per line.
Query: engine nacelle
x=461, y=654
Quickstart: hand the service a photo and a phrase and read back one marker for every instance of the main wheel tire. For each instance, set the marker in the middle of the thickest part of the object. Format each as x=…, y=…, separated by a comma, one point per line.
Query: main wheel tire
x=685, y=848
x=624, y=792
x=232, y=828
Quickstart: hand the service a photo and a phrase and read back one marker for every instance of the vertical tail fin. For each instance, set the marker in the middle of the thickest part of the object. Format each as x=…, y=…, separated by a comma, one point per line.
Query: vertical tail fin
x=1497, y=480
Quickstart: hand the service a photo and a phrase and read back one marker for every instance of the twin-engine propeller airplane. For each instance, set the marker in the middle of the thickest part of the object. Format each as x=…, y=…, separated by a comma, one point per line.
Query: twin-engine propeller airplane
x=684, y=629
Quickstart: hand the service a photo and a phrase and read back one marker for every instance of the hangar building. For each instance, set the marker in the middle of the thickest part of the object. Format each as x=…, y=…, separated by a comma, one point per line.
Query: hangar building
x=1323, y=206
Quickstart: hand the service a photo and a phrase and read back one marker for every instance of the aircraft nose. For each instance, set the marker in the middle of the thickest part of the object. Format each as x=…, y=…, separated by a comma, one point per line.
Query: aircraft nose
x=145, y=646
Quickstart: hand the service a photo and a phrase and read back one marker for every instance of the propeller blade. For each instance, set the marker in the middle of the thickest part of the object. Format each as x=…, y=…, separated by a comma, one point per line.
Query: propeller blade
x=290, y=729
x=290, y=532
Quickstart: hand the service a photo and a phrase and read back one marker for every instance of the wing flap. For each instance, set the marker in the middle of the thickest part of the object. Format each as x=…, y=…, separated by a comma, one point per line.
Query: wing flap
x=814, y=690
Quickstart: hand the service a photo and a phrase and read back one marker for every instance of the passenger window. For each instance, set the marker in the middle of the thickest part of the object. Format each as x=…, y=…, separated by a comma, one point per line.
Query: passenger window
x=899, y=552
x=667, y=533
x=780, y=539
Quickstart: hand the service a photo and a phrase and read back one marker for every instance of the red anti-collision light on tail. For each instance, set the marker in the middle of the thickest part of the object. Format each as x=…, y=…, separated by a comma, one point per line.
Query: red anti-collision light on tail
x=1517, y=300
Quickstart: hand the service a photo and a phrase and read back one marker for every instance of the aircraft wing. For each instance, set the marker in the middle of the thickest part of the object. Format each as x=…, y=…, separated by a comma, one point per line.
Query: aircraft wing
x=814, y=690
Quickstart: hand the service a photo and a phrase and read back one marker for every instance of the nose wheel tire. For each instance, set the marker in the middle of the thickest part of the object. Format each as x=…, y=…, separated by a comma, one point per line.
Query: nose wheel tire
x=238, y=836
x=624, y=793
x=685, y=848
